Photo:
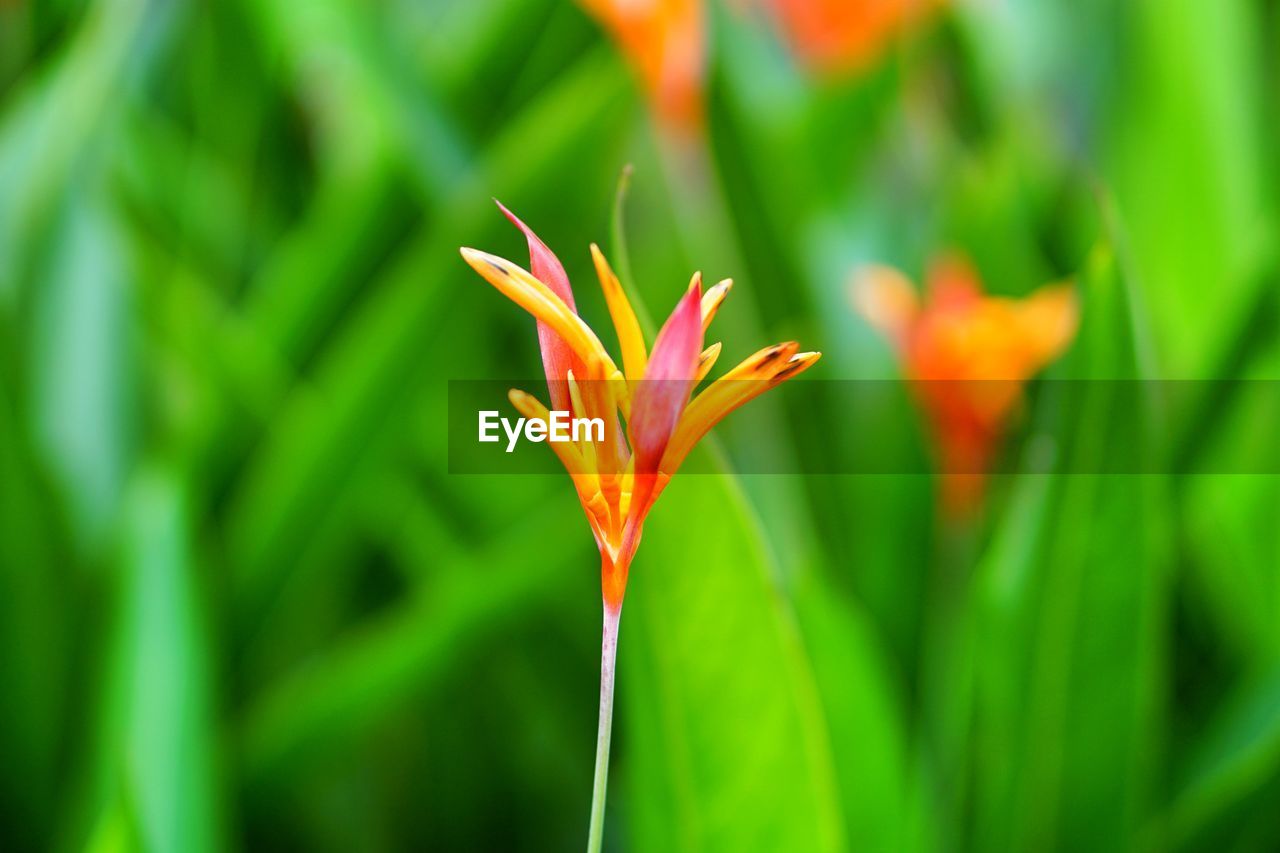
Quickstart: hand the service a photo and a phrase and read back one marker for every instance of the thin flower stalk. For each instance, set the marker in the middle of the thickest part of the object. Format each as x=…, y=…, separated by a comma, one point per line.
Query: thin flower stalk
x=600, y=781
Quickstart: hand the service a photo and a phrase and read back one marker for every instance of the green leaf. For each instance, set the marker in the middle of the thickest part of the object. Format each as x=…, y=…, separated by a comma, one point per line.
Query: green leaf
x=1228, y=517
x=158, y=734
x=82, y=371
x=36, y=629
x=724, y=744
x=54, y=128
x=1184, y=156
x=401, y=653
x=1239, y=751
x=1073, y=667
x=865, y=720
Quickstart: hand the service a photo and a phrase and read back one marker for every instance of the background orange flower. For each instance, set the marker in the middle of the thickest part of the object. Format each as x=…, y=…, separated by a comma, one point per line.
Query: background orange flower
x=967, y=356
x=835, y=36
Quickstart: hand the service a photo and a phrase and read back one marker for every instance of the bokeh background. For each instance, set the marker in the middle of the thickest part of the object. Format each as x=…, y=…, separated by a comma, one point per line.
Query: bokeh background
x=244, y=605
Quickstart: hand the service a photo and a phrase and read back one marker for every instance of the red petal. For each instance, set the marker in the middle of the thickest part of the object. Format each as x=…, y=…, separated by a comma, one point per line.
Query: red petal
x=557, y=356
x=668, y=380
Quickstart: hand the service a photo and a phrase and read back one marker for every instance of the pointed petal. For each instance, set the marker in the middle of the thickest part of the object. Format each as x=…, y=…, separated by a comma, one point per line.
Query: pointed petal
x=886, y=299
x=596, y=399
x=706, y=361
x=536, y=298
x=543, y=263
x=582, y=472
x=1048, y=320
x=711, y=301
x=586, y=447
x=557, y=357
x=630, y=339
x=668, y=380
x=755, y=375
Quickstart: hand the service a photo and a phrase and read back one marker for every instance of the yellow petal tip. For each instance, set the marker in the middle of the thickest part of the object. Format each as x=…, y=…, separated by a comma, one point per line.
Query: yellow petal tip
x=480, y=260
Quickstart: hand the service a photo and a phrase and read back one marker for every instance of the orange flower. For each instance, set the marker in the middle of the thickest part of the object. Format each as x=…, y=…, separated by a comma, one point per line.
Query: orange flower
x=618, y=479
x=664, y=41
x=967, y=357
x=835, y=36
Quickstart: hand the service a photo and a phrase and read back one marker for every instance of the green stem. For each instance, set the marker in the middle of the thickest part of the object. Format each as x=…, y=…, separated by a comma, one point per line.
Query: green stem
x=608, y=655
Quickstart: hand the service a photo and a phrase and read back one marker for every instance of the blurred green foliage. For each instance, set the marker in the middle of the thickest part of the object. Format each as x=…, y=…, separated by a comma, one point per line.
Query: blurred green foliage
x=243, y=604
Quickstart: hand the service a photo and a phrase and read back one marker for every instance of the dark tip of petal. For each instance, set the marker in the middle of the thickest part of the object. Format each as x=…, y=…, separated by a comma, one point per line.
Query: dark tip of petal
x=797, y=363
x=772, y=354
x=790, y=371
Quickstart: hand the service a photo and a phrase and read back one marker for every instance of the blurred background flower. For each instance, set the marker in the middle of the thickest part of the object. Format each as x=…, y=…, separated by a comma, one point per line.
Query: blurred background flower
x=664, y=41
x=244, y=602
x=845, y=36
x=967, y=356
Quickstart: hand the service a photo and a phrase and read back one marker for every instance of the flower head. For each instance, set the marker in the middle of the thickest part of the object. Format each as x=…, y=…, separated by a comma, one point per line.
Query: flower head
x=618, y=479
x=835, y=36
x=967, y=356
x=664, y=42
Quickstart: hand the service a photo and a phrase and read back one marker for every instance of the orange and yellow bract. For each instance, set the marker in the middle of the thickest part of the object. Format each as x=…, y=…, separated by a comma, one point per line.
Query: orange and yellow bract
x=618, y=479
x=967, y=356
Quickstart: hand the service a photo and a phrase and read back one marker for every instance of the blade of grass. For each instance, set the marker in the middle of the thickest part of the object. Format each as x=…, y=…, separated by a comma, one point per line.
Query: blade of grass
x=1238, y=752
x=157, y=727
x=400, y=653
